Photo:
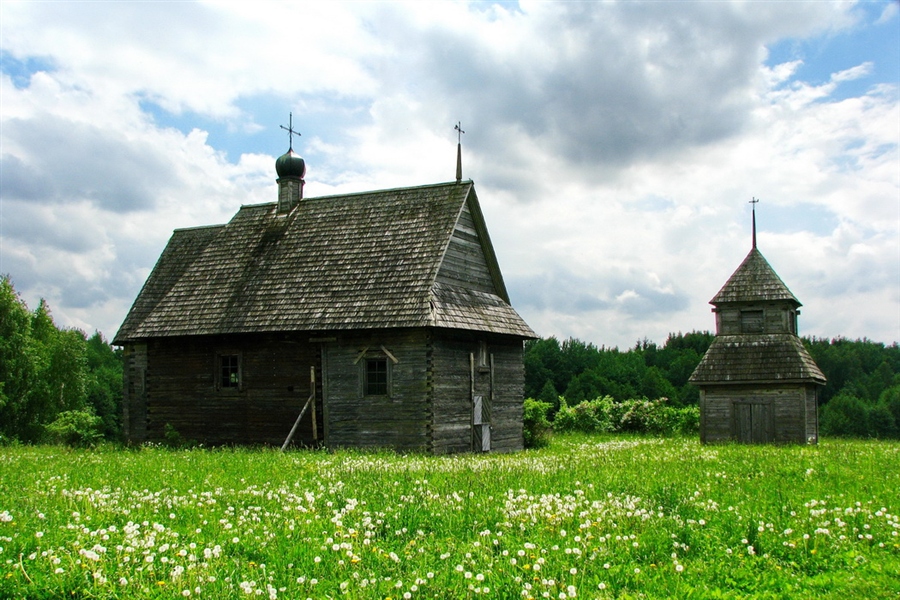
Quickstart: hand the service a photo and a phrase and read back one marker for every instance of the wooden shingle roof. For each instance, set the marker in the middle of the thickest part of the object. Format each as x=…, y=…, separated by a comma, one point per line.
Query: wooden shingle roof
x=353, y=261
x=754, y=281
x=757, y=358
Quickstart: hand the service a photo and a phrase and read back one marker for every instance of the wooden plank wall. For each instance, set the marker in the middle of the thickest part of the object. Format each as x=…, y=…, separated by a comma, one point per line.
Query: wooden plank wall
x=464, y=263
x=402, y=419
x=452, y=403
x=812, y=414
x=788, y=405
x=508, y=396
x=182, y=391
x=134, y=402
x=776, y=319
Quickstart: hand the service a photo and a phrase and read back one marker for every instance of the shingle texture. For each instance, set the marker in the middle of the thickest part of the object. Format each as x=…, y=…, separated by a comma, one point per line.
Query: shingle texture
x=754, y=281
x=355, y=261
x=757, y=358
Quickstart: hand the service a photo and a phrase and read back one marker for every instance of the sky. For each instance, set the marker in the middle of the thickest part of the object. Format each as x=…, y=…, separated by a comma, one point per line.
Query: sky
x=614, y=146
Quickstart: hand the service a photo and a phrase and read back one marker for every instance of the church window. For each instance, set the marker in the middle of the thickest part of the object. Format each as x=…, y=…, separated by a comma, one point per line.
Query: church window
x=229, y=371
x=375, y=377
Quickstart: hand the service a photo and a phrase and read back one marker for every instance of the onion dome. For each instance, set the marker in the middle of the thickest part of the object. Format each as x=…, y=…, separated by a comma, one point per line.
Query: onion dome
x=290, y=164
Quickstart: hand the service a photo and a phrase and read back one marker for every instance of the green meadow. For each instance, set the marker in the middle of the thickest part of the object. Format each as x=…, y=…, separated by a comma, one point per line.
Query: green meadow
x=586, y=517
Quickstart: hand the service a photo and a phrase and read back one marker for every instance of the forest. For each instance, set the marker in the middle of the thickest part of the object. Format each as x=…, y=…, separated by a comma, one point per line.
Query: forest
x=58, y=384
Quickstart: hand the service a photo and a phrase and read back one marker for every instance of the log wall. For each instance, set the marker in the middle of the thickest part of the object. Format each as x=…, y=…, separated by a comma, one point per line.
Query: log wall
x=401, y=419
x=182, y=390
x=762, y=414
x=502, y=388
x=428, y=407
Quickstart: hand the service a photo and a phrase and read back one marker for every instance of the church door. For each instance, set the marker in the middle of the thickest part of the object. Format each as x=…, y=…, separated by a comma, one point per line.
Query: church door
x=753, y=422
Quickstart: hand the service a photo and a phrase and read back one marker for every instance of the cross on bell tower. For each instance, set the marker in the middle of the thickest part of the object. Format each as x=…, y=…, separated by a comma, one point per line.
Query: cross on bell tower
x=754, y=202
x=459, y=132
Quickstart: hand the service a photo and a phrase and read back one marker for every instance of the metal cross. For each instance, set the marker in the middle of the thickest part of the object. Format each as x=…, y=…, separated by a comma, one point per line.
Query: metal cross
x=458, y=128
x=290, y=130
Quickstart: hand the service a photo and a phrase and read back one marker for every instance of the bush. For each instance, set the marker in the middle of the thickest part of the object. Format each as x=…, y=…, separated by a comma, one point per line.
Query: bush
x=75, y=428
x=592, y=416
x=635, y=416
x=173, y=439
x=537, y=426
x=845, y=415
x=881, y=422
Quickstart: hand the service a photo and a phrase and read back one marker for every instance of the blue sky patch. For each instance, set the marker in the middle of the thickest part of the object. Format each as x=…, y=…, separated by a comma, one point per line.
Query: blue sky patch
x=258, y=129
x=830, y=53
x=21, y=70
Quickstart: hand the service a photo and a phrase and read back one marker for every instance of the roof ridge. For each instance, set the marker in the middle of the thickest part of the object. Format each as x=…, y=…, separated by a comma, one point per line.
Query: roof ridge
x=389, y=190
x=196, y=227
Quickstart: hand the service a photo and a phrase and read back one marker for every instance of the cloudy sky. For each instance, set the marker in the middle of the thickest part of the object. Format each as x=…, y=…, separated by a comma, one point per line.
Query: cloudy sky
x=615, y=146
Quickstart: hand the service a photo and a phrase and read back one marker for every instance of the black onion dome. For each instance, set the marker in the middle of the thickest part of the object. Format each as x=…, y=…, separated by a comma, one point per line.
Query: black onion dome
x=290, y=164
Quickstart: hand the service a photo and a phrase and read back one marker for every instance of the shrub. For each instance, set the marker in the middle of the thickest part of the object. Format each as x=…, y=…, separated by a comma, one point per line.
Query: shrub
x=593, y=416
x=537, y=426
x=634, y=416
x=845, y=415
x=881, y=422
x=75, y=428
x=172, y=438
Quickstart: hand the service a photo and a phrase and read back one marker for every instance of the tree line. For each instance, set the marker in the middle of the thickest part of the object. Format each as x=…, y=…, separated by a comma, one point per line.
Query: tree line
x=55, y=380
x=861, y=397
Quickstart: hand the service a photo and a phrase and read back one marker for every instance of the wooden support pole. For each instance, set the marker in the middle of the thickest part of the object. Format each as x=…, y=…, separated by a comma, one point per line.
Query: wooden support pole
x=312, y=394
x=297, y=423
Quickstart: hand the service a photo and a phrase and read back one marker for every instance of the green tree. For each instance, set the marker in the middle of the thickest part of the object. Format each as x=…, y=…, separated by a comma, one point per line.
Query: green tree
x=104, y=384
x=17, y=365
x=845, y=415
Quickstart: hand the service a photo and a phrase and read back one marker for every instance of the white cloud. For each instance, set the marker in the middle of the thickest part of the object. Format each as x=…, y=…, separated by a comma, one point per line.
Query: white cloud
x=614, y=147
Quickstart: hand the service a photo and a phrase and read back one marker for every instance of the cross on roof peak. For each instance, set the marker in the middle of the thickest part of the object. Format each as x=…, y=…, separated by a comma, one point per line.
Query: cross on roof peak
x=754, y=201
x=459, y=131
x=290, y=130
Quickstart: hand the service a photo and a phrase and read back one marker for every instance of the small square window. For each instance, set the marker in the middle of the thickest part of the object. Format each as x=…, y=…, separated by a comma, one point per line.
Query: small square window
x=375, y=382
x=229, y=371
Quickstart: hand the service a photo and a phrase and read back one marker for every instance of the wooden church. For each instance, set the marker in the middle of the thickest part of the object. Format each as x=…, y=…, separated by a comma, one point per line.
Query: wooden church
x=758, y=384
x=381, y=317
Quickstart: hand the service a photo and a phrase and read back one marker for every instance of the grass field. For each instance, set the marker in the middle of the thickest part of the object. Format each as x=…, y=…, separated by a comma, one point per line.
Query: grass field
x=588, y=517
